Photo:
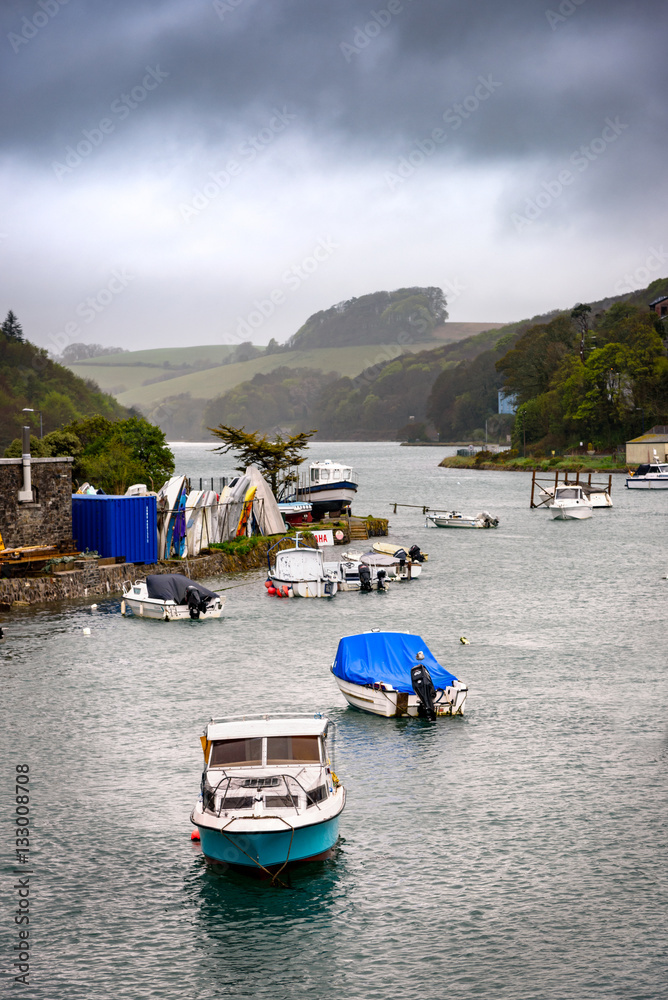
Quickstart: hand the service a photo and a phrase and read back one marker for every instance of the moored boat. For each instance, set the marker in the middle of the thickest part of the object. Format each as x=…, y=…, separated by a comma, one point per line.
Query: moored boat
x=296, y=512
x=652, y=476
x=269, y=796
x=390, y=548
x=170, y=596
x=453, y=519
x=570, y=504
x=301, y=572
x=396, y=674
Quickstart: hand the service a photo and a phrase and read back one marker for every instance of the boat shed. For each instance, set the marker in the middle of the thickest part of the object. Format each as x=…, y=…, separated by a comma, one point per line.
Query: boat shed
x=641, y=449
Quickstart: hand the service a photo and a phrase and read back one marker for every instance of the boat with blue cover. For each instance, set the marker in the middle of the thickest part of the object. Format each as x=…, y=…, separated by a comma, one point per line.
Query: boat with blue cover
x=269, y=796
x=396, y=674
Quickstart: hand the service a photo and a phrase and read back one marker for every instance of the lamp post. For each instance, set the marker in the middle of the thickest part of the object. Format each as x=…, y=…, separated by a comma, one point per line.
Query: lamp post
x=26, y=409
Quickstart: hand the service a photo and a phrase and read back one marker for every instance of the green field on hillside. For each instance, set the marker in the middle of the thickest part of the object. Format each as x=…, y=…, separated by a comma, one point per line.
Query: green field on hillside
x=214, y=353
x=125, y=381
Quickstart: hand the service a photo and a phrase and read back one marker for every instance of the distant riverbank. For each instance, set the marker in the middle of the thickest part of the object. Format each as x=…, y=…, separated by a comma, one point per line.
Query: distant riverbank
x=567, y=463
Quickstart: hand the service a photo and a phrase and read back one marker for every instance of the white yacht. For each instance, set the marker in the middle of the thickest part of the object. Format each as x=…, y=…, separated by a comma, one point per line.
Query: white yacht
x=649, y=477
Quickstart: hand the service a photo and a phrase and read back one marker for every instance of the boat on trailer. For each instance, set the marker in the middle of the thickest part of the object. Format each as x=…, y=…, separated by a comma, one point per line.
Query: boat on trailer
x=170, y=596
x=268, y=796
x=329, y=488
x=396, y=674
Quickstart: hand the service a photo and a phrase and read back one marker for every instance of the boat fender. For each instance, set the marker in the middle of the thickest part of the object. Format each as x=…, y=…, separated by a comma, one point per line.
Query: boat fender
x=268, y=584
x=286, y=592
x=279, y=592
x=194, y=835
x=271, y=590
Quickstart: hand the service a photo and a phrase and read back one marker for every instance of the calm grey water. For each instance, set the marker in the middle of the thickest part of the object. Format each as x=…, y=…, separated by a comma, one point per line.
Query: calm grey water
x=517, y=853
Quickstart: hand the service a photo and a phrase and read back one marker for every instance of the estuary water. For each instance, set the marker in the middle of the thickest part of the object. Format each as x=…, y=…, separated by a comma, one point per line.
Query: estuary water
x=518, y=853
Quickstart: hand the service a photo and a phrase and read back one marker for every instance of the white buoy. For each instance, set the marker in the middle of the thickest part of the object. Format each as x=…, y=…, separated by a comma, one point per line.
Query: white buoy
x=86, y=631
x=122, y=607
x=93, y=606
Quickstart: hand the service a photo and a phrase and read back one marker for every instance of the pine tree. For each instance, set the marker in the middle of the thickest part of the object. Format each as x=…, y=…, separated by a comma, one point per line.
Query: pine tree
x=11, y=328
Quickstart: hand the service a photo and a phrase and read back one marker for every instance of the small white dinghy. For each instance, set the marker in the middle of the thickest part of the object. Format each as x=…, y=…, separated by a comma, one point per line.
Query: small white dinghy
x=170, y=596
x=453, y=519
x=570, y=504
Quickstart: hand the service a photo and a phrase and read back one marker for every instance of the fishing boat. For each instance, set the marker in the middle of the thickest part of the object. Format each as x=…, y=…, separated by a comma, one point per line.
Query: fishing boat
x=170, y=596
x=649, y=477
x=395, y=674
x=329, y=488
x=453, y=519
x=300, y=572
x=269, y=796
x=570, y=504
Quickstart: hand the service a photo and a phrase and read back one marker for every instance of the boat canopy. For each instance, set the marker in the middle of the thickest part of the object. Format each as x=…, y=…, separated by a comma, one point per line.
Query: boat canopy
x=386, y=657
x=173, y=586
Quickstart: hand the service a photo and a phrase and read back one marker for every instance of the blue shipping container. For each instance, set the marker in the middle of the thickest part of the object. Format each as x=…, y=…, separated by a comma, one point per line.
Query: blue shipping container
x=116, y=526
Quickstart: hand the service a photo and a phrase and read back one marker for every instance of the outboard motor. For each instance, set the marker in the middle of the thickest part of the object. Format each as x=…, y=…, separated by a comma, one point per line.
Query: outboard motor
x=415, y=554
x=365, y=579
x=424, y=689
x=194, y=603
x=381, y=579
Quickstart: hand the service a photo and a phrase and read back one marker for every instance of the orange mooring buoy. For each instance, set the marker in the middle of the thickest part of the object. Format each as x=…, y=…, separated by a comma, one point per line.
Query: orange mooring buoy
x=194, y=835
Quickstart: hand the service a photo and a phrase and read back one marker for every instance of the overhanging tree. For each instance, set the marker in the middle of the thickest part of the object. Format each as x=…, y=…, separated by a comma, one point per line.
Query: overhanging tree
x=273, y=458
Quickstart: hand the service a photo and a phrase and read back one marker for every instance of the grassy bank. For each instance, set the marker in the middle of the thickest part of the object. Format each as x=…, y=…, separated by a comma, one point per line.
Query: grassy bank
x=564, y=463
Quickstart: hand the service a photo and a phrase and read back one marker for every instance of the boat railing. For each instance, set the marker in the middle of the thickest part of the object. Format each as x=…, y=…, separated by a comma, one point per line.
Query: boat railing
x=240, y=792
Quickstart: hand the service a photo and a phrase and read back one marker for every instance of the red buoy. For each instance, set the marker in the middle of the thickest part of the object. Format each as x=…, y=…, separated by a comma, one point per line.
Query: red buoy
x=271, y=591
x=194, y=835
x=268, y=584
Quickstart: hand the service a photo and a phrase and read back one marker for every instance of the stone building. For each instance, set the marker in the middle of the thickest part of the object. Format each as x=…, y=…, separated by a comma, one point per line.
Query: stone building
x=44, y=519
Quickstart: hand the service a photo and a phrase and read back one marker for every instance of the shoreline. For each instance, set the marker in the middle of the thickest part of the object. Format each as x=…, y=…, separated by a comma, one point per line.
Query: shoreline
x=584, y=468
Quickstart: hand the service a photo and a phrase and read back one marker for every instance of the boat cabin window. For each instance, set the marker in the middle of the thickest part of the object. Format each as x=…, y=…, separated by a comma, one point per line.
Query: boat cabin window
x=224, y=752
x=324, y=475
x=346, y=474
x=569, y=493
x=315, y=475
x=293, y=749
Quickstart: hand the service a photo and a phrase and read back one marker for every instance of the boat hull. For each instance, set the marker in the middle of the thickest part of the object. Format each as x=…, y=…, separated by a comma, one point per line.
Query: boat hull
x=647, y=484
x=306, y=588
x=332, y=498
x=459, y=522
x=380, y=700
x=270, y=849
x=570, y=513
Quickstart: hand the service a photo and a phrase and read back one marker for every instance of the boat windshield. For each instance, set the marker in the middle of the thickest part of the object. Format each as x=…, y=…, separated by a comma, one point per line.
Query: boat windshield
x=293, y=749
x=248, y=751
x=568, y=492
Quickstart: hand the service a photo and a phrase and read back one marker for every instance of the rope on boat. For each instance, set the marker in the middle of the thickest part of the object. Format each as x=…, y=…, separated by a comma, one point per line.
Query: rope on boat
x=273, y=875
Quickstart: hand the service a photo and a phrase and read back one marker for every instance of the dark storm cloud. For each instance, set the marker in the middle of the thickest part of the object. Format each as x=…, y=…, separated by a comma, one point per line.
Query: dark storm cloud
x=362, y=78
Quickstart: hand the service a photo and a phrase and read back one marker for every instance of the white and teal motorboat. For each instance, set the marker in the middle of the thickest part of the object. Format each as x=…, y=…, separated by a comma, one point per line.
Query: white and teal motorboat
x=269, y=796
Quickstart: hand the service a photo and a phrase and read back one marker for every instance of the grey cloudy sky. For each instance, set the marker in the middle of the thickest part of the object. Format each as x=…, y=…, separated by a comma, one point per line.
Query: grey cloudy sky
x=203, y=171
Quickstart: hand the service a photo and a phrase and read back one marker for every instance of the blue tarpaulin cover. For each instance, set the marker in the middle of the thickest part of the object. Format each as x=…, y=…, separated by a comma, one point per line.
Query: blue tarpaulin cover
x=388, y=657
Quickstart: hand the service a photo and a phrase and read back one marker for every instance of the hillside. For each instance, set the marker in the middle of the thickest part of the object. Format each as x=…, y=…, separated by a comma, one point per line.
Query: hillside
x=378, y=318
x=30, y=379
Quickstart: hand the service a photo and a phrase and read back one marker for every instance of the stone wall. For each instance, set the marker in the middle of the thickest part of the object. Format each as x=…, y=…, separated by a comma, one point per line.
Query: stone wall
x=47, y=520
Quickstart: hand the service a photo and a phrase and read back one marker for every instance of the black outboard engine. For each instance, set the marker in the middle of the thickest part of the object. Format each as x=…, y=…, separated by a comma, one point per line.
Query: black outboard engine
x=194, y=603
x=381, y=579
x=365, y=579
x=415, y=554
x=424, y=689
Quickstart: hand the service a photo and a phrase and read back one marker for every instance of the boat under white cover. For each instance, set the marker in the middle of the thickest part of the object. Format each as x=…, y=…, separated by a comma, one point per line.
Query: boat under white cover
x=383, y=673
x=570, y=503
x=170, y=596
x=268, y=796
x=453, y=519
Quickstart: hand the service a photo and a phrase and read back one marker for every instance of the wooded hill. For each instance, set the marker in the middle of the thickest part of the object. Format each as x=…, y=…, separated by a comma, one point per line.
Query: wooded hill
x=30, y=379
